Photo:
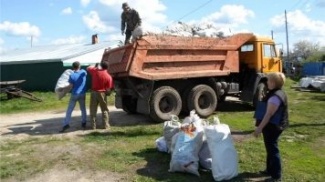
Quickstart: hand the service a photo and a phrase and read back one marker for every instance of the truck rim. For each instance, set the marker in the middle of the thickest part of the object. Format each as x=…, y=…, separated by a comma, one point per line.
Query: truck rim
x=165, y=102
x=203, y=100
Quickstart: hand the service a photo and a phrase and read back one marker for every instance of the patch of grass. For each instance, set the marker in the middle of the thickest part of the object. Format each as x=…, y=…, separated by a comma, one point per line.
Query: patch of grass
x=49, y=102
x=22, y=158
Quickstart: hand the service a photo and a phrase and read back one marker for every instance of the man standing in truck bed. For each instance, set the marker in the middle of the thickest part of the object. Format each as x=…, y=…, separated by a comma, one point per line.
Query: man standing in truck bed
x=130, y=19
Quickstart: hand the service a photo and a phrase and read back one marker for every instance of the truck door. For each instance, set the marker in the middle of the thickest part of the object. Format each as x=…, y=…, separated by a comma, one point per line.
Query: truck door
x=270, y=61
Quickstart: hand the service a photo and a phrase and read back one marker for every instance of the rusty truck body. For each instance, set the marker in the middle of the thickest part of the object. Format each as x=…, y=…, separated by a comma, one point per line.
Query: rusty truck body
x=163, y=75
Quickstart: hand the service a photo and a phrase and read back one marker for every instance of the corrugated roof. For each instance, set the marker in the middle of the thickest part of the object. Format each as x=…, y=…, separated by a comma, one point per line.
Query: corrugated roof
x=52, y=53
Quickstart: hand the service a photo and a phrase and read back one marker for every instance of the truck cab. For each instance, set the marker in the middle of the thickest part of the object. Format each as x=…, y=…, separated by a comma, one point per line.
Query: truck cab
x=258, y=56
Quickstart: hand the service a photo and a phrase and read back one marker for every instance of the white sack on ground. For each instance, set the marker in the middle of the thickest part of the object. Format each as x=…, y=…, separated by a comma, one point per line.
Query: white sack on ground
x=161, y=144
x=223, y=152
x=170, y=129
x=186, y=146
x=205, y=158
x=316, y=82
x=185, y=155
x=172, y=147
x=62, y=82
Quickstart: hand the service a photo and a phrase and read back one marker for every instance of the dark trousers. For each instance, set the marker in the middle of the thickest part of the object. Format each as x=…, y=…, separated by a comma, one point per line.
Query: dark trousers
x=128, y=34
x=271, y=135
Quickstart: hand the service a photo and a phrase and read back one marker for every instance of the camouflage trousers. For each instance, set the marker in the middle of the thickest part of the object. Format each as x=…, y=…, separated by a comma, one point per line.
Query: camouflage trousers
x=99, y=98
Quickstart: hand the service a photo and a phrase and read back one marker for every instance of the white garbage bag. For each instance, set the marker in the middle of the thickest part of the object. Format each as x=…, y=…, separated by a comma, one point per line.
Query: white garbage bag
x=170, y=129
x=205, y=159
x=185, y=155
x=161, y=144
x=172, y=147
x=62, y=82
x=223, y=152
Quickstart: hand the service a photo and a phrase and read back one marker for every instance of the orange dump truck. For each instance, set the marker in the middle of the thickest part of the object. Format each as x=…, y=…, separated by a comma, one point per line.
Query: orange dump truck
x=164, y=75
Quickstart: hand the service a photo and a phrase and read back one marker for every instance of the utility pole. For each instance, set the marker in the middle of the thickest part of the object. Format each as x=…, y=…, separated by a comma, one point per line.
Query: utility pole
x=31, y=41
x=272, y=34
x=287, y=35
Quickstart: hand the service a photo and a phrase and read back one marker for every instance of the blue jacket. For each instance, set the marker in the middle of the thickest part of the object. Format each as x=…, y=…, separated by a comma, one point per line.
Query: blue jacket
x=280, y=117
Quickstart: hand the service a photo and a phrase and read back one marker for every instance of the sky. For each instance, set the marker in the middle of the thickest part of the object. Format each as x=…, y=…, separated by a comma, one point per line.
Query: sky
x=49, y=22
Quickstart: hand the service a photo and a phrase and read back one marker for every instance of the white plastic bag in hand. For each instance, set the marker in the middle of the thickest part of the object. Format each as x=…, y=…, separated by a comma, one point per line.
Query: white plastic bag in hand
x=62, y=82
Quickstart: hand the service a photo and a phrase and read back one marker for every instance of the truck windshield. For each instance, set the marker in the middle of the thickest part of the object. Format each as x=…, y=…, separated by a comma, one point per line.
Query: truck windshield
x=247, y=48
x=269, y=51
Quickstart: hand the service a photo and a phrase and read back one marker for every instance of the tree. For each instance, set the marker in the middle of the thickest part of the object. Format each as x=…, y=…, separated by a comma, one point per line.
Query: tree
x=317, y=56
x=302, y=50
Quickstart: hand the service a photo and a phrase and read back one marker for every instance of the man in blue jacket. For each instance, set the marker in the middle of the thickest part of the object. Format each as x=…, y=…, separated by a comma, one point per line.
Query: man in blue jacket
x=77, y=82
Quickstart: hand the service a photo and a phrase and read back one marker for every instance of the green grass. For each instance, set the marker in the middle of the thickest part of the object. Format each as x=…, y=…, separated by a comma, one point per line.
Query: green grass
x=130, y=152
x=49, y=102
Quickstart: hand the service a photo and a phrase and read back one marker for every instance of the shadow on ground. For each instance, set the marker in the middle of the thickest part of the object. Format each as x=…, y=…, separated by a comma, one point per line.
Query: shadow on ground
x=319, y=97
x=306, y=125
x=234, y=106
x=53, y=125
x=158, y=164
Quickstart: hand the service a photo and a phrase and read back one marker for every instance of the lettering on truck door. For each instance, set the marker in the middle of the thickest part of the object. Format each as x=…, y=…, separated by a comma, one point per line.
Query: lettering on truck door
x=270, y=61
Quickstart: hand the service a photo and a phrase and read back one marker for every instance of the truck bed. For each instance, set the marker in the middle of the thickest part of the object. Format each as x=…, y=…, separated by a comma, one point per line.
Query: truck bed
x=170, y=57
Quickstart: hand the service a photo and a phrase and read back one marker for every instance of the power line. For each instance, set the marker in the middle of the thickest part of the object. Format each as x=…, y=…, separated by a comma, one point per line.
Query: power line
x=189, y=13
x=196, y=9
x=295, y=5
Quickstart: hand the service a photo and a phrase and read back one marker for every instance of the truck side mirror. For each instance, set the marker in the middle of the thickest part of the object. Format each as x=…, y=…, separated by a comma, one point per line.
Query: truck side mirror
x=279, y=53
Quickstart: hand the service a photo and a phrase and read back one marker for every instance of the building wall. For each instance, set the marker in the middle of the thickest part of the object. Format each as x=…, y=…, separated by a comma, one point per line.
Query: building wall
x=38, y=76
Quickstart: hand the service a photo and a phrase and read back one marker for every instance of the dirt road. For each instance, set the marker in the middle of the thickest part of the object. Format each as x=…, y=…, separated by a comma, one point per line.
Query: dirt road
x=22, y=125
x=48, y=123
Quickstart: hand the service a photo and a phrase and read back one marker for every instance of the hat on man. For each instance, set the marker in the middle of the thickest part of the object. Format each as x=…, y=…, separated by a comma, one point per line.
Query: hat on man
x=125, y=5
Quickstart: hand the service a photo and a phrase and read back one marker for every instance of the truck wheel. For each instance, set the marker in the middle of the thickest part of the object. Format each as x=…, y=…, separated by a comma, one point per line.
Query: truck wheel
x=259, y=93
x=165, y=102
x=203, y=100
x=129, y=104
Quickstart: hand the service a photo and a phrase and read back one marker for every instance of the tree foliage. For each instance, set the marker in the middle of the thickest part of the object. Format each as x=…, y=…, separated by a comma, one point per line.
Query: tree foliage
x=307, y=51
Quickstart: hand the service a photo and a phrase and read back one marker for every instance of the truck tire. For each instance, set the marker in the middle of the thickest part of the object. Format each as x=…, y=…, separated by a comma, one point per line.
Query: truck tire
x=259, y=93
x=165, y=101
x=203, y=100
x=129, y=104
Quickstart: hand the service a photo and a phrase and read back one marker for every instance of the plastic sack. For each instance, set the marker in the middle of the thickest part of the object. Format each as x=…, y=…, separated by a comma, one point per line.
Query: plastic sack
x=161, y=144
x=185, y=154
x=223, y=152
x=137, y=33
x=205, y=159
x=170, y=129
x=172, y=147
x=62, y=82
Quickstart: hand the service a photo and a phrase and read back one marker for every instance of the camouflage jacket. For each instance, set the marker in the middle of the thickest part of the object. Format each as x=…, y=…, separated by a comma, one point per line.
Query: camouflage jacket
x=131, y=19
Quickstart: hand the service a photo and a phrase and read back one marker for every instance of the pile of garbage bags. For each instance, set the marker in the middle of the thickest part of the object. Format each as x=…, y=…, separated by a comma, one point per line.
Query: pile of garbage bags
x=314, y=82
x=196, y=142
x=184, y=30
